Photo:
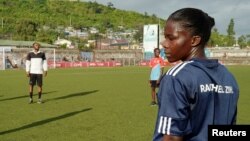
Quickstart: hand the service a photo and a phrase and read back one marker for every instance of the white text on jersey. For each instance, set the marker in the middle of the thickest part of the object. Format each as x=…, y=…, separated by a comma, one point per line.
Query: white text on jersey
x=216, y=88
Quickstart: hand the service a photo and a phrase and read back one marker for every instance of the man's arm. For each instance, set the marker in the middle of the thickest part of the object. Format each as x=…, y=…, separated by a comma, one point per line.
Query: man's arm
x=45, y=66
x=27, y=65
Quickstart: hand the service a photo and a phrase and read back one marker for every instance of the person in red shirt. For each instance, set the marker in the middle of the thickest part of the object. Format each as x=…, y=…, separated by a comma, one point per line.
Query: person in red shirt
x=156, y=64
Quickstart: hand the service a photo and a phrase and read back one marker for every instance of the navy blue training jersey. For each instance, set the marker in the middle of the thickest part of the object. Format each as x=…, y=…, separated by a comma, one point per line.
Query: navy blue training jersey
x=193, y=95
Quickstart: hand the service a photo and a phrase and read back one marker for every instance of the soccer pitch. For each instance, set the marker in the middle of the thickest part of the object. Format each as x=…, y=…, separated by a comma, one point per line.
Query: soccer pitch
x=86, y=104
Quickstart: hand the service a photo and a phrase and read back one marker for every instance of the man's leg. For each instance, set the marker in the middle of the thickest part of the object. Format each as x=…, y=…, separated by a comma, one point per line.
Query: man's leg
x=31, y=93
x=153, y=95
x=39, y=94
x=40, y=88
x=31, y=86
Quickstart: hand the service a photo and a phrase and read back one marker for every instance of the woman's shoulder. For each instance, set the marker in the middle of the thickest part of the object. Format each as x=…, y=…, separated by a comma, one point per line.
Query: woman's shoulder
x=180, y=68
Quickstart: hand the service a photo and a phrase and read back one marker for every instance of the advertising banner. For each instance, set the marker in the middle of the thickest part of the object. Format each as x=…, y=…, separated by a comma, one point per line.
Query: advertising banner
x=150, y=37
x=63, y=64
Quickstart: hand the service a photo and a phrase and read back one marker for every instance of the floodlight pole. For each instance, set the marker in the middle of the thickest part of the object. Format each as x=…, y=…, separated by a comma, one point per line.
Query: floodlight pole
x=158, y=36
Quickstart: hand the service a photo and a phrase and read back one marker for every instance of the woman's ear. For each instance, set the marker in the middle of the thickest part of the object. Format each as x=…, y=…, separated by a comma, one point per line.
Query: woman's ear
x=196, y=40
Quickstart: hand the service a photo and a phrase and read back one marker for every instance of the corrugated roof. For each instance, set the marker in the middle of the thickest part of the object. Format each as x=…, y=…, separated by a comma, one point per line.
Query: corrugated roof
x=24, y=44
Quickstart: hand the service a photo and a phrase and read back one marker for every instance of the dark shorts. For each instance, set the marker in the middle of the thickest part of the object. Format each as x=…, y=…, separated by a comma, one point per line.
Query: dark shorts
x=154, y=83
x=36, y=79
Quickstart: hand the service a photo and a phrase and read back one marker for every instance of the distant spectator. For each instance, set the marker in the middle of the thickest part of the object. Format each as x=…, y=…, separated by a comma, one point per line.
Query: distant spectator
x=156, y=64
x=14, y=64
x=65, y=59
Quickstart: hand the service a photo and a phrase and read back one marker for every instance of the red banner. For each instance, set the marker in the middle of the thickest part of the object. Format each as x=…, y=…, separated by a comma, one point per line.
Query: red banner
x=146, y=63
x=63, y=64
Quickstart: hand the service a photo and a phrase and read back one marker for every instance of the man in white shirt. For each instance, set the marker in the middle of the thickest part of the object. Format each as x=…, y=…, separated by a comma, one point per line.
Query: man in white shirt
x=36, y=67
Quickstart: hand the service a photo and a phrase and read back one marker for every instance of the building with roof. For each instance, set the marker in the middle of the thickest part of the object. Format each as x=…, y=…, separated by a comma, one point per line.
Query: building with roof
x=23, y=44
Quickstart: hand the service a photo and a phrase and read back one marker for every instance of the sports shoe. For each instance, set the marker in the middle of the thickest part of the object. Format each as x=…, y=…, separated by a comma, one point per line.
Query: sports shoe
x=30, y=101
x=153, y=103
x=39, y=101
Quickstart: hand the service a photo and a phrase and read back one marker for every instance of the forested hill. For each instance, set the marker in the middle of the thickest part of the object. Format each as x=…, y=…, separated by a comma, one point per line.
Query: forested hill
x=21, y=18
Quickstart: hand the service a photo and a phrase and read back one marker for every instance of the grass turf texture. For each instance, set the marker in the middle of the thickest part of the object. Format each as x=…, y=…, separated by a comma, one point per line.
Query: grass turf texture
x=85, y=104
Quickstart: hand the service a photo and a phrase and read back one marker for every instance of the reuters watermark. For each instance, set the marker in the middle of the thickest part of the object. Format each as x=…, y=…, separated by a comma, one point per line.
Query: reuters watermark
x=228, y=131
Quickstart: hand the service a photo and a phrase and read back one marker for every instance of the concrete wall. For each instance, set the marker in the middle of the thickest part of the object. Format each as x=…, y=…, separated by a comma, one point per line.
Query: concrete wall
x=126, y=57
x=231, y=56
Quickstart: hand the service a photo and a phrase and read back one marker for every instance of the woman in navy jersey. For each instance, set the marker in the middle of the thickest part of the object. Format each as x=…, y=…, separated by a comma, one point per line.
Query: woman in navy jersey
x=198, y=91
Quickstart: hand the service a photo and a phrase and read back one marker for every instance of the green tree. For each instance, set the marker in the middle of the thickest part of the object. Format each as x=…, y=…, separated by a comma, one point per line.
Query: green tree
x=217, y=39
x=47, y=36
x=138, y=35
x=242, y=41
x=248, y=40
x=110, y=5
x=231, y=33
x=214, y=39
x=26, y=30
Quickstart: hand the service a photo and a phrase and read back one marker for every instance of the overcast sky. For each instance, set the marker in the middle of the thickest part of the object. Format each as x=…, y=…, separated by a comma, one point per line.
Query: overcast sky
x=221, y=10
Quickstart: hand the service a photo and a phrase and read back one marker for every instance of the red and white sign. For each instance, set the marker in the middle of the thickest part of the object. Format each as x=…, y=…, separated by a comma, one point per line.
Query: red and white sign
x=63, y=64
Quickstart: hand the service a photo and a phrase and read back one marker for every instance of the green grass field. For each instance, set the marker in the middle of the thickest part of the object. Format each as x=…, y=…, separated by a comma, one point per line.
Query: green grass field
x=86, y=104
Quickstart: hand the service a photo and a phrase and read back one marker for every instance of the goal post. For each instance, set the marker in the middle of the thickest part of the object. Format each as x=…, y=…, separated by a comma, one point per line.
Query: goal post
x=2, y=58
